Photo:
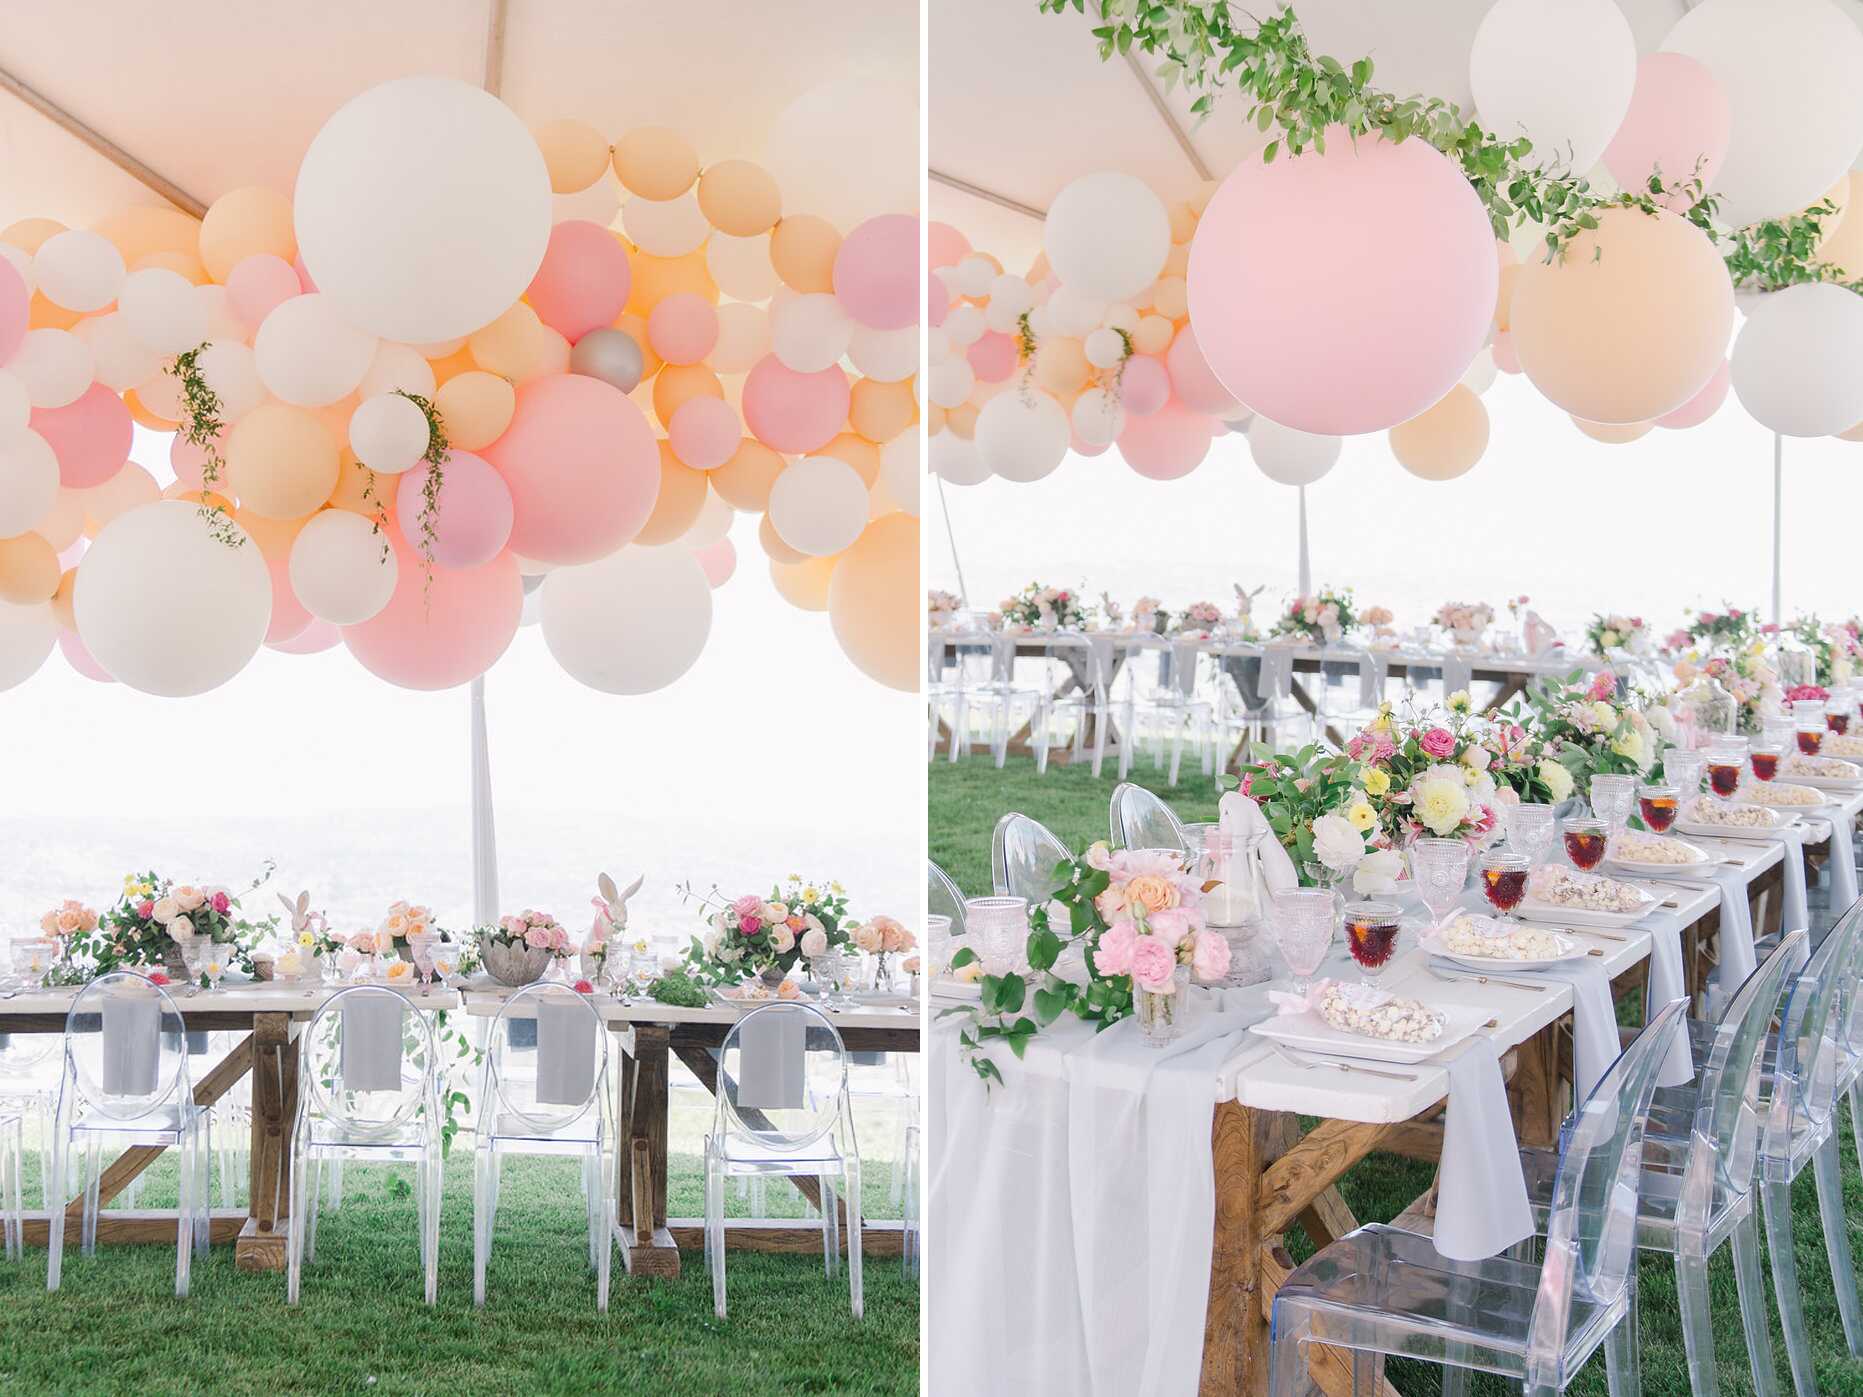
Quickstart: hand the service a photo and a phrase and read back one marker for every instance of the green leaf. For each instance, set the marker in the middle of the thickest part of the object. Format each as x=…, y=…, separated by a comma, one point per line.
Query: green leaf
x=1044, y=948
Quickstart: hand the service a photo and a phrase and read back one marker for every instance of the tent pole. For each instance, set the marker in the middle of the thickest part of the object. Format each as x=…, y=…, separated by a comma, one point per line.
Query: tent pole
x=1306, y=567
x=484, y=836
x=945, y=505
x=1778, y=526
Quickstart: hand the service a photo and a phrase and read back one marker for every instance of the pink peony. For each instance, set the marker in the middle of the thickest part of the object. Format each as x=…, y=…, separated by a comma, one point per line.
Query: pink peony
x=1114, y=955
x=537, y=938
x=1210, y=956
x=782, y=938
x=1173, y=924
x=1438, y=742
x=1153, y=963
x=749, y=905
x=1603, y=686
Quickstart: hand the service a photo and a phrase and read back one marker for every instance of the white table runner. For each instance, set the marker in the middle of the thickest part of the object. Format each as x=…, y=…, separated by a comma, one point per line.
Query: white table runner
x=1481, y=1197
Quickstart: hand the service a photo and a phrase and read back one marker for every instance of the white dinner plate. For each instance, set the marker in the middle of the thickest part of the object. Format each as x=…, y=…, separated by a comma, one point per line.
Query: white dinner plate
x=1432, y=942
x=1531, y=911
x=1700, y=860
x=946, y=988
x=1308, y=1032
x=1781, y=817
x=1826, y=783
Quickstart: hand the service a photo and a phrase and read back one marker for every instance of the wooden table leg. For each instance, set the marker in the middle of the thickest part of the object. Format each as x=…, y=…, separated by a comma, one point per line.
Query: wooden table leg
x=261, y=1244
x=1235, y=1332
x=647, y=1247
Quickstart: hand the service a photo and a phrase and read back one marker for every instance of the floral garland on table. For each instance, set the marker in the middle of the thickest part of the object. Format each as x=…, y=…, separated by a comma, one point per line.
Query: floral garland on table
x=1039, y=608
x=1463, y=620
x=1137, y=916
x=1607, y=633
x=1585, y=728
x=1834, y=648
x=1321, y=618
x=941, y=608
x=751, y=935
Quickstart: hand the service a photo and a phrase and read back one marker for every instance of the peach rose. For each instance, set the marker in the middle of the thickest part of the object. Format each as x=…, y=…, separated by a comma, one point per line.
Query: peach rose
x=869, y=938
x=782, y=938
x=188, y=897
x=1152, y=891
x=166, y=910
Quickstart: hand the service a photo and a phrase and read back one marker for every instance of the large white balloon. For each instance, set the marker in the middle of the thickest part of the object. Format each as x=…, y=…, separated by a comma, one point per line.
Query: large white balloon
x=956, y=460
x=389, y=434
x=632, y=622
x=818, y=505
x=27, y=635
x=809, y=333
x=78, y=270
x=1107, y=235
x=308, y=354
x=231, y=369
x=899, y=471
x=1561, y=75
x=886, y=356
x=28, y=480
x=120, y=359
x=339, y=569
x=1022, y=435
x=422, y=209
x=866, y=119
x=55, y=365
x=159, y=308
x=1790, y=69
x=1288, y=456
x=166, y=607
x=1794, y=363
x=1098, y=417
x=15, y=405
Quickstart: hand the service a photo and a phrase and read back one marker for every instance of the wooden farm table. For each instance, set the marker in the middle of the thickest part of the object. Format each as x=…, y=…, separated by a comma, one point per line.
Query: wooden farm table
x=648, y=1035
x=271, y=1016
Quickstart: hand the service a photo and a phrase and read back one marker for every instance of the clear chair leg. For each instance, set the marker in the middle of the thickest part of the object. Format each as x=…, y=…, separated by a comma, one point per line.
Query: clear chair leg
x=1691, y=1288
x=61, y=1148
x=336, y=1184
x=1827, y=1168
x=1755, y=1320
x=481, y=1223
x=1623, y=1372
x=605, y=1244
x=855, y=1259
x=831, y=1226
x=1776, y=1204
x=93, y=1174
x=1856, y=1116
x=295, y=1227
x=187, y=1139
x=431, y=1167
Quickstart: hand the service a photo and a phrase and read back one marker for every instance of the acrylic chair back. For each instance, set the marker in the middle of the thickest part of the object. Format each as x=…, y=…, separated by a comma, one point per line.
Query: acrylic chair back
x=369, y=1064
x=943, y=897
x=1023, y=856
x=1591, y=1233
x=1141, y=821
x=126, y=1051
x=546, y=1058
x=1811, y=1051
x=782, y=1077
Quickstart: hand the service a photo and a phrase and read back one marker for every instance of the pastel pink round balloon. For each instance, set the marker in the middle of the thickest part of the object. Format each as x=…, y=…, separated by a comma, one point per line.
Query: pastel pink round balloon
x=1144, y=386
x=1192, y=383
x=945, y=246
x=876, y=272
x=1343, y=292
x=583, y=467
x=705, y=432
x=583, y=282
x=91, y=437
x=1506, y=358
x=305, y=284
x=289, y=618
x=1169, y=443
x=80, y=659
x=1085, y=448
x=445, y=635
x=937, y=299
x=1679, y=119
x=257, y=285
x=718, y=561
x=472, y=510
x=317, y=636
x=683, y=328
x=15, y=309
x=992, y=356
x=1704, y=404
x=189, y=461
x=794, y=412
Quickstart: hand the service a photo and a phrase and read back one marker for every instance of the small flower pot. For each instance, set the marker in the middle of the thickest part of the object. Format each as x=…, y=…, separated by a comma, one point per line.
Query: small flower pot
x=513, y=963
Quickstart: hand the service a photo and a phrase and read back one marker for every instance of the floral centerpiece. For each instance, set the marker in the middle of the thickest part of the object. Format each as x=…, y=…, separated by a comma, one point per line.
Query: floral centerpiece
x=1729, y=628
x=1199, y=617
x=1465, y=621
x=883, y=938
x=1833, y=648
x=1379, y=619
x=1608, y=633
x=1807, y=693
x=1424, y=777
x=1149, y=616
x=1584, y=727
x=941, y=608
x=67, y=921
x=521, y=948
x=1039, y=608
x=151, y=920
x=1321, y=618
x=753, y=935
x=1746, y=675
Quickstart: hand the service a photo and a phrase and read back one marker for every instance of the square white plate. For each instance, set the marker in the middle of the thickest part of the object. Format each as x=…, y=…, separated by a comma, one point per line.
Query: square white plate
x=1781, y=817
x=1308, y=1032
x=1531, y=911
x=1702, y=858
x=1431, y=942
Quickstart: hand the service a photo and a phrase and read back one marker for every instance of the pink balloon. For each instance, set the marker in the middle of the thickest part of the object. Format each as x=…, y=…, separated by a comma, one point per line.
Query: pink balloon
x=583, y=467
x=1506, y=359
x=91, y=437
x=1192, y=383
x=705, y=432
x=1343, y=292
x=1083, y=448
x=289, y=618
x=1169, y=443
x=316, y=637
x=793, y=412
x=190, y=461
x=257, y=285
x=1704, y=404
x=683, y=328
x=1144, y=387
x=1679, y=116
x=80, y=659
x=445, y=635
x=945, y=246
x=305, y=284
x=937, y=299
x=876, y=272
x=584, y=280
x=718, y=560
x=471, y=515
x=15, y=309
x=992, y=356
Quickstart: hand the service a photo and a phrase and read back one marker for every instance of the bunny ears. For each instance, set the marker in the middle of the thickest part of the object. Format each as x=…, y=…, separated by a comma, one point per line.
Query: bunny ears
x=613, y=904
x=299, y=910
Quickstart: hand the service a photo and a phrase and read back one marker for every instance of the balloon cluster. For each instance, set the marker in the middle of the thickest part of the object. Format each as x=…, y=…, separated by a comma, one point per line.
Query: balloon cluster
x=408, y=396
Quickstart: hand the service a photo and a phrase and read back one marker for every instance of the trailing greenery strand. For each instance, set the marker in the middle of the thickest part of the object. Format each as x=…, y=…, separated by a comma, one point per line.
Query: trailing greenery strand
x=201, y=427
x=435, y=458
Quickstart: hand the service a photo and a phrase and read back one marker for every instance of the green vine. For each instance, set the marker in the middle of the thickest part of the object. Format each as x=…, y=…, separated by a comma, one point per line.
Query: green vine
x=201, y=427
x=430, y=486
x=1026, y=346
x=378, y=512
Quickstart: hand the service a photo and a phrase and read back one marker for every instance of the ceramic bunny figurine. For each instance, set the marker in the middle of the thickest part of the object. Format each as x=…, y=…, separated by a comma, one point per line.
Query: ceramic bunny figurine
x=303, y=920
x=1272, y=869
x=610, y=918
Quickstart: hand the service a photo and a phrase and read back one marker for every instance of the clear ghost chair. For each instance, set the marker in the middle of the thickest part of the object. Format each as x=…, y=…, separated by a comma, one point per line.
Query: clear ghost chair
x=29, y=1067
x=1700, y=1150
x=1023, y=855
x=909, y=1208
x=1175, y=707
x=1381, y=1290
x=783, y=1112
x=1142, y=821
x=126, y=1082
x=12, y=1161
x=368, y=1093
x=545, y=1092
x=943, y=897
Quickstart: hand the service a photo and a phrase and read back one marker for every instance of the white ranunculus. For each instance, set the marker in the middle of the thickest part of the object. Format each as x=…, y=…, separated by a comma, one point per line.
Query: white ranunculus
x=166, y=910
x=1336, y=844
x=1377, y=873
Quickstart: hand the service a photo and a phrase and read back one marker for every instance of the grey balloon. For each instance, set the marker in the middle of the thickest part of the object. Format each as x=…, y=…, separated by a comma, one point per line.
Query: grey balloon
x=610, y=355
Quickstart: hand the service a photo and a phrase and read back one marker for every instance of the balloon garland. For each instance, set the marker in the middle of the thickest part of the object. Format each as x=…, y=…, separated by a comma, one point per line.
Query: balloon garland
x=388, y=429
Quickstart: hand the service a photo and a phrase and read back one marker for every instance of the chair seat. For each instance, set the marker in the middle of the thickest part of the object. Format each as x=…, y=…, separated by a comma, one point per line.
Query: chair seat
x=816, y=1157
x=331, y=1136
x=164, y=1122
x=508, y=1127
x=1385, y=1289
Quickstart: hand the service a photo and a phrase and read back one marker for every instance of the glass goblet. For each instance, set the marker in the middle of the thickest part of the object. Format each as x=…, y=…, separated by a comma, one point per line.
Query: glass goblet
x=1503, y=881
x=1763, y=757
x=1584, y=841
x=1000, y=928
x=1659, y=804
x=1303, y=929
x=1529, y=829
x=1371, y=936
x=1682, y=769
x=1612, y=800
x=1439, y=869
x=1726, y=758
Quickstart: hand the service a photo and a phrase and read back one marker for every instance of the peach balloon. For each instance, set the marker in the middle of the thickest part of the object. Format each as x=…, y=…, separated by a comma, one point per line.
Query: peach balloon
x=63, y=615
x=147, y=230
x=315, y=638
x=773, y=545
x=881, y=411
x=739, y=198
x=704, y=432
x=574, y=152
x=656, y=278
x=681, y=497
x=15, y=310
x=257, y=285
x=469, y=520
x=655, y=163
x=803, y=248
x=1167, y=444
x=1704, y=404
x=719, y=560
x=447, y=367
x=804, y=585
x=274, y=537
x=28, y=233
x=583, y=282
x=243, y=223
x=281, y=461
x=441, y=631
x=1852, y=434
x=28, y=569
x=744, y=481
x=874, y=602
x=1630, y=323
x=794, y=412
x=90, y=437
x=1445, y=441
x=1501, y=350
x=1144, y=385
x=363, y=491
x=1612, y=433
x=683, y=328
x=1678, y=126
x=678, y=384
x=476, y=407
x=583, y=467
x=129, y=487
x=515, y=345
x=1842, y=246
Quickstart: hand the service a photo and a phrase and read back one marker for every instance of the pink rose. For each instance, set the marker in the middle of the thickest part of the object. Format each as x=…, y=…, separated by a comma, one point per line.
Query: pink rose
x=750, y=926
x=1114, y=955
x=1153, y=963
x=1438, y=742
x=537, y=938
x=145, y=909
x=221, y=902
x=1209, y=957
x=814, y=942
x=749, y=905
x=1173, y=924
x=1603, y=686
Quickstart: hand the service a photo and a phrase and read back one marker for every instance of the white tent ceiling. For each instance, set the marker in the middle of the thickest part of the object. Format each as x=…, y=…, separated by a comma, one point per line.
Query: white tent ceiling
x=215, y=96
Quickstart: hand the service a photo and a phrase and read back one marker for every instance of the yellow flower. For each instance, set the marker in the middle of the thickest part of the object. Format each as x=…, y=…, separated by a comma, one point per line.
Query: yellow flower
x=305, y=938
x=1361, y=816
x=1459, y=701
x=1441, y=805
x=836, y=888
x=1629, y=744
x=1377, y=780
x=809, y=895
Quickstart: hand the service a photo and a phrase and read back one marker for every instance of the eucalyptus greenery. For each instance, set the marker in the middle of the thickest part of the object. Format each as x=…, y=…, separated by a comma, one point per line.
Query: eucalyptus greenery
x=201, y=427
x=435, y=458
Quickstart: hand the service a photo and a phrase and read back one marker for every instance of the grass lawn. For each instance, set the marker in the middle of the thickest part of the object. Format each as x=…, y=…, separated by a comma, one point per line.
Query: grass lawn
x=965, y=802
x=115, y=1325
